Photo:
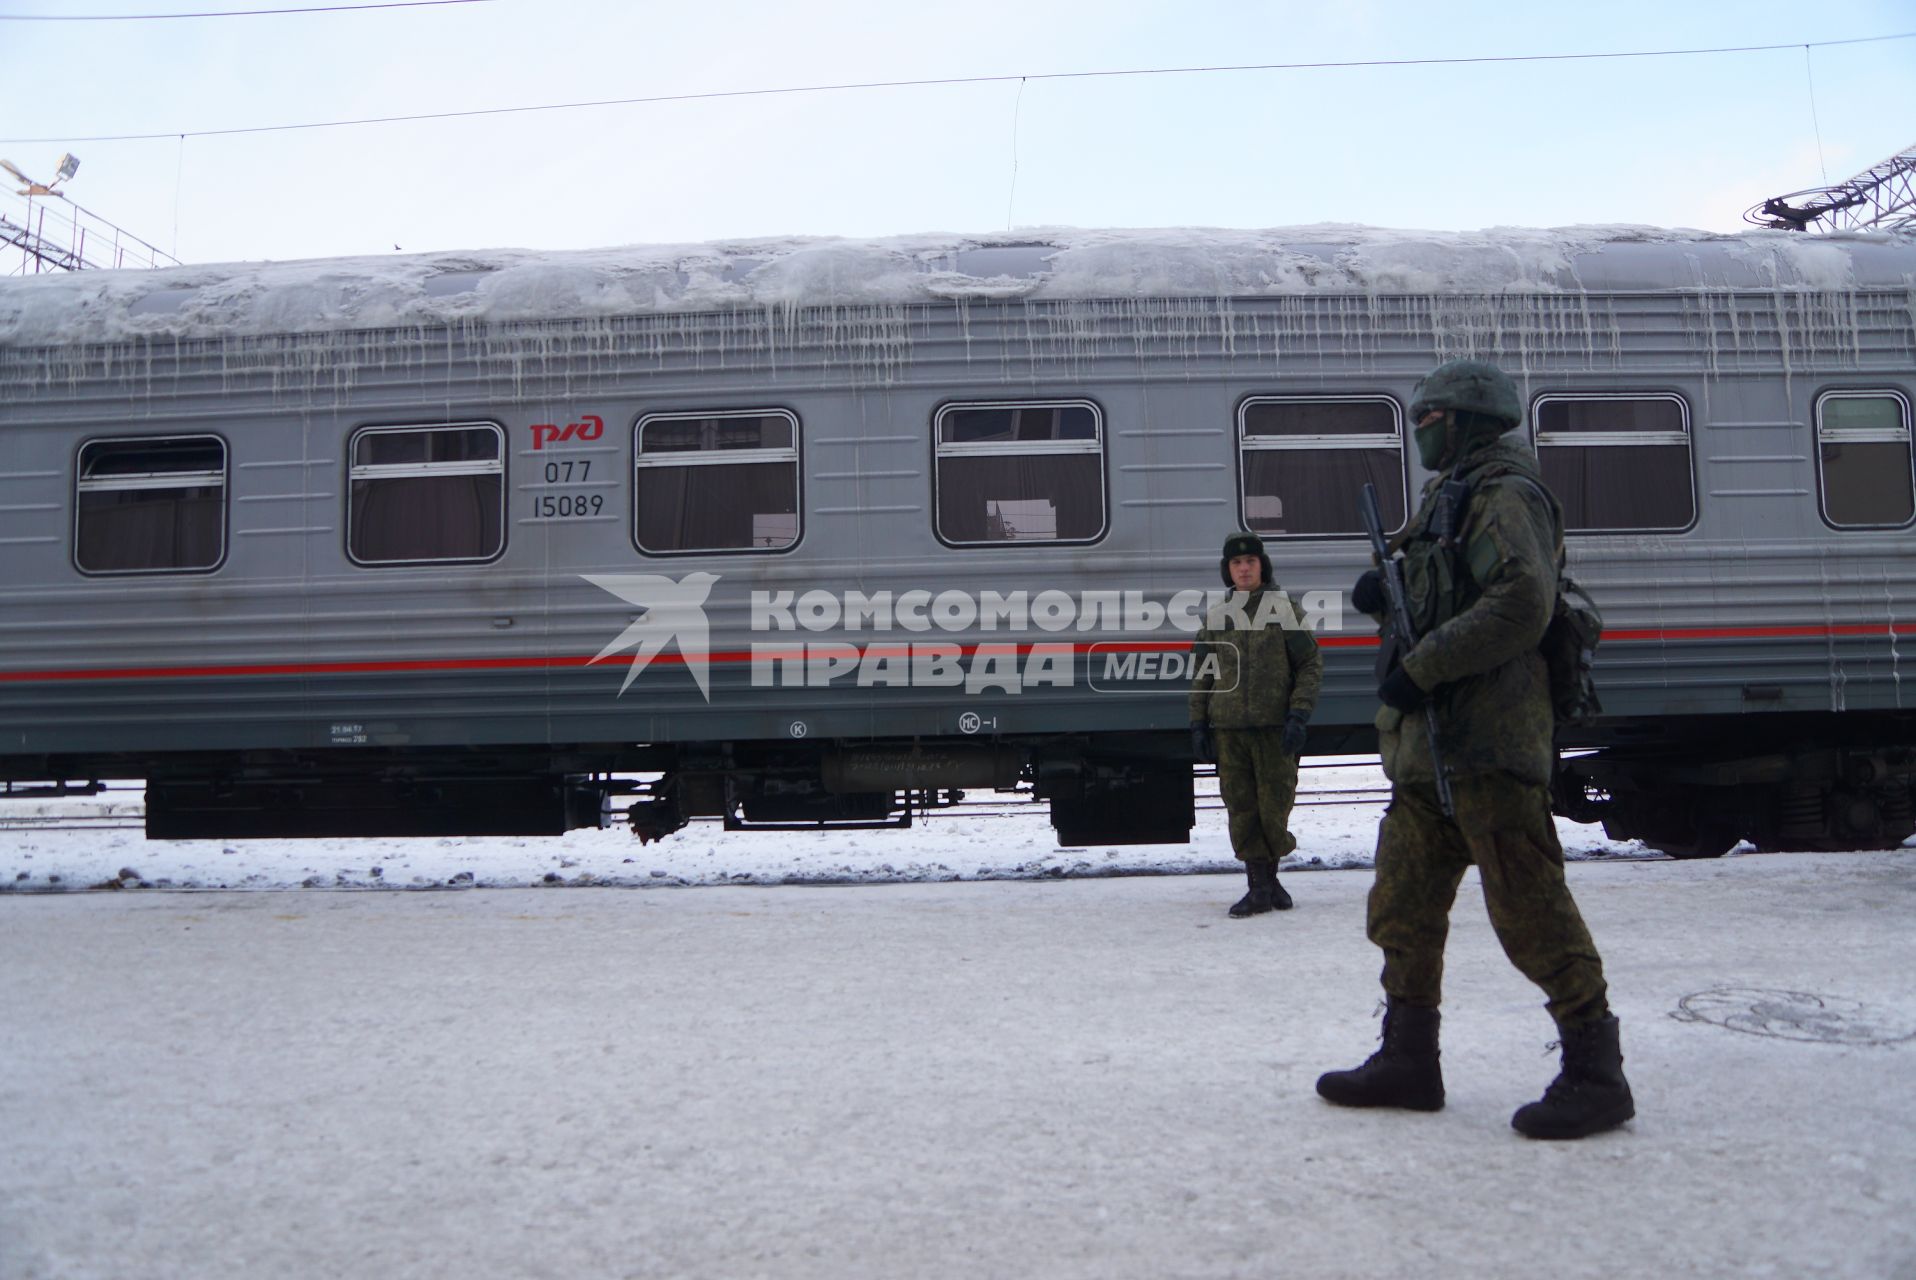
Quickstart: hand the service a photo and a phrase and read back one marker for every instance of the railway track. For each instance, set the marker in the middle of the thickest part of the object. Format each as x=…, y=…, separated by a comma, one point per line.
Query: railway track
x=998, y=807
x=76, y=822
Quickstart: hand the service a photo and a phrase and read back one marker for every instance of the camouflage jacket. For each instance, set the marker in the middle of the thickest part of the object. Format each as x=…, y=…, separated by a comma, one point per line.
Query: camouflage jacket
x=1261, y=673
x=1481, y=607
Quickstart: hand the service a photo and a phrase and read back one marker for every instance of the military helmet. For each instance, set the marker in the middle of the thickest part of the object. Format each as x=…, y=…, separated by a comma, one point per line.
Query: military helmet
x=1468, y=386
x=1244, y=544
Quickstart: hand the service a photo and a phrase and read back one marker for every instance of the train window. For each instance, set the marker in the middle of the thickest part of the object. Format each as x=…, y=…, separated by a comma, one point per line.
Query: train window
x=1863, y=455
x=150, y=506
x=1303, y=461
x=716, y=481
x=426, y=494
x=1618, y=463
x=1029, y=471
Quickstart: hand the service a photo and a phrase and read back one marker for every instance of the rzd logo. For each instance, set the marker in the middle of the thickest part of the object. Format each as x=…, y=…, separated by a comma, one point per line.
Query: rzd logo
x=544, y=433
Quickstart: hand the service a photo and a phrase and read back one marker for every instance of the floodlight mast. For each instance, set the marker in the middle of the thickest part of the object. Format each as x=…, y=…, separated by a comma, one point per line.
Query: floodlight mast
x=1880, y=198
x=61, y=243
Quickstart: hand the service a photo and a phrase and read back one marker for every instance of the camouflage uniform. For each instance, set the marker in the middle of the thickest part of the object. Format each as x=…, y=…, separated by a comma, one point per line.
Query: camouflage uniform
x=1481, y=608
x=1264, y=675
x=1481, y=559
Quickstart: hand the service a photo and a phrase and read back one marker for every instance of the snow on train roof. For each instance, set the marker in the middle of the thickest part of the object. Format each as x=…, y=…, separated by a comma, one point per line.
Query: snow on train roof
x=1052, y=264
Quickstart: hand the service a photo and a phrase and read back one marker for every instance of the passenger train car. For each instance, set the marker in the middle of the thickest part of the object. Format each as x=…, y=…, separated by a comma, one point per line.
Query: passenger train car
x=813, y=532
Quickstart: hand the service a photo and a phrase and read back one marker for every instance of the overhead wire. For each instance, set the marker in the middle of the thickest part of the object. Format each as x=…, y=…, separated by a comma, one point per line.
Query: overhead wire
x=1810, y=73
x=853, y=86
x=1011, y=199
x=226, y=13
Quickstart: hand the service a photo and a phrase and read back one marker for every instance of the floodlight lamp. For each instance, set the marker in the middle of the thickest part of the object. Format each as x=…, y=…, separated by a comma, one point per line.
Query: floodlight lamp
x=69, y=165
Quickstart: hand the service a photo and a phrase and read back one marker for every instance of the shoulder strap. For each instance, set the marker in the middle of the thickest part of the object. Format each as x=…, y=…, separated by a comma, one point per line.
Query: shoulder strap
x=1504, y=471
x=1414, y=525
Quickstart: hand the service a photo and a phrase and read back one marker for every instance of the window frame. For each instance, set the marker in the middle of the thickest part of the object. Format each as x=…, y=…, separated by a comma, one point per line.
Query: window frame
x=1907, y=438
x=1097, y=446
x=1300, y=443
x=795, y=454
x=1621, y=439
x=420, y=470
x=150, y=480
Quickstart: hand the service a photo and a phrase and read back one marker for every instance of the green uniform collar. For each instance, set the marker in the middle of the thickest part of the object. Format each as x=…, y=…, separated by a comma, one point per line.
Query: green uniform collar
x=1508, y=451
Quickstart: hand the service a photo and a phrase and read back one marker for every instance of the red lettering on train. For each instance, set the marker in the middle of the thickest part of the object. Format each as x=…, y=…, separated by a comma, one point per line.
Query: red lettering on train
x=545, y=433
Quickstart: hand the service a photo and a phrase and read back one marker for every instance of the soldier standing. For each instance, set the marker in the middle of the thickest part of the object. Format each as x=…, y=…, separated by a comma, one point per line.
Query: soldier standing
x=1256, y=683
x=1481, y=563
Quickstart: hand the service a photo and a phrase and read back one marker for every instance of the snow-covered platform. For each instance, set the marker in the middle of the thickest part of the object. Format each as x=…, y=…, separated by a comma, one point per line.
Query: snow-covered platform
x=1099, y=1077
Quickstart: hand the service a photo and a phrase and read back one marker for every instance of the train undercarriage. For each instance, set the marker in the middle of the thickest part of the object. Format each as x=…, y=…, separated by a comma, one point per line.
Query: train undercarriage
x=1788, y=784
x=1692, y=790
x=1141, y=794
x=1096, y=795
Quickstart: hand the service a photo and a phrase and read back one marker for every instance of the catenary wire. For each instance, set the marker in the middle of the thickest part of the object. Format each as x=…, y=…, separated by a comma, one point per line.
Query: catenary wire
x=959, y=80
x=225, y=13
x=1809, y=73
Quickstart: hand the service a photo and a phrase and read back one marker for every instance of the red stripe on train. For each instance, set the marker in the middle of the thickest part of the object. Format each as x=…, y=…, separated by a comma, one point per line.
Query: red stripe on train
x=1659, y=634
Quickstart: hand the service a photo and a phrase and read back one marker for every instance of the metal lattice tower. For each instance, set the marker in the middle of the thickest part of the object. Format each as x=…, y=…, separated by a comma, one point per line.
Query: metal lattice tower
x=52, y=233
x=1880, y=198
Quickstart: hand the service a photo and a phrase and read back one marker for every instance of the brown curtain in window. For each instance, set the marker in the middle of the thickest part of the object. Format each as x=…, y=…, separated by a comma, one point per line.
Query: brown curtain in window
x=1620, y=486
x=1319, y=488
x=1071, y=483
x=426, y=518
x=1867, y=483
x=712, y=508
x=142, y=529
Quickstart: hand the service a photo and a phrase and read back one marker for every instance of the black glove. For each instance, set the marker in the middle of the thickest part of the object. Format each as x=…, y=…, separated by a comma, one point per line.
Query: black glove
x=1294, y=734
x=1400, y=691
x=1203, y=745
x=1367, y=593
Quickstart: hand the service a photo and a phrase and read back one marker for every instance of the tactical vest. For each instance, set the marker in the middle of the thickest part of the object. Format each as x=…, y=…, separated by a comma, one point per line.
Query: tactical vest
x=1437, y=575
x=1440, y=585
x=1437, y=582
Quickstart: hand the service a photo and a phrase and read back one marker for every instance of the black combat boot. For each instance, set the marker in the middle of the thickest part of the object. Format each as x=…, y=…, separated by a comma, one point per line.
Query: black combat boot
x=1589, y=1095
x=1404, y=1072
x=1280, y=898
x=1262, y=877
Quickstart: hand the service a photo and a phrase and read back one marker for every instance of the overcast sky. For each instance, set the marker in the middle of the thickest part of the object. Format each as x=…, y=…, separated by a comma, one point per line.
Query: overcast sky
x=1673, y=140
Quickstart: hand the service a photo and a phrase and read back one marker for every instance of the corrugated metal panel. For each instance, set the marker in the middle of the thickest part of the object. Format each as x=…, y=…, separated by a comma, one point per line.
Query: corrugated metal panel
x=1113, y=341
x=865, y=383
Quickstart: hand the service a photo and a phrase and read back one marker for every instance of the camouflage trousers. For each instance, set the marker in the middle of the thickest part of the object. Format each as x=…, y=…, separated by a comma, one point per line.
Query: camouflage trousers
x=1503, y=825
x=1259, y=783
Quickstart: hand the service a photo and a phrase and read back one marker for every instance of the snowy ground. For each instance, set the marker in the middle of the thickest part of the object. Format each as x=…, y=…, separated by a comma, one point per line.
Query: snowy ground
x=1095, y=1076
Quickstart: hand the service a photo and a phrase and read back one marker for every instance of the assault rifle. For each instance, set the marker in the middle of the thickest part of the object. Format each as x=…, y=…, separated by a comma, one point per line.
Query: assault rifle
x=1402, y=634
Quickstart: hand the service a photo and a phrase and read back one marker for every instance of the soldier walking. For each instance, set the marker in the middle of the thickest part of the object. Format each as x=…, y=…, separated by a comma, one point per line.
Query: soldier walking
x=1251, y=699
x=1481, y=560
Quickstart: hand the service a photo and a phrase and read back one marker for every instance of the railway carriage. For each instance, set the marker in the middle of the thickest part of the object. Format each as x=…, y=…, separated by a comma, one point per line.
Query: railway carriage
x=814, y=532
